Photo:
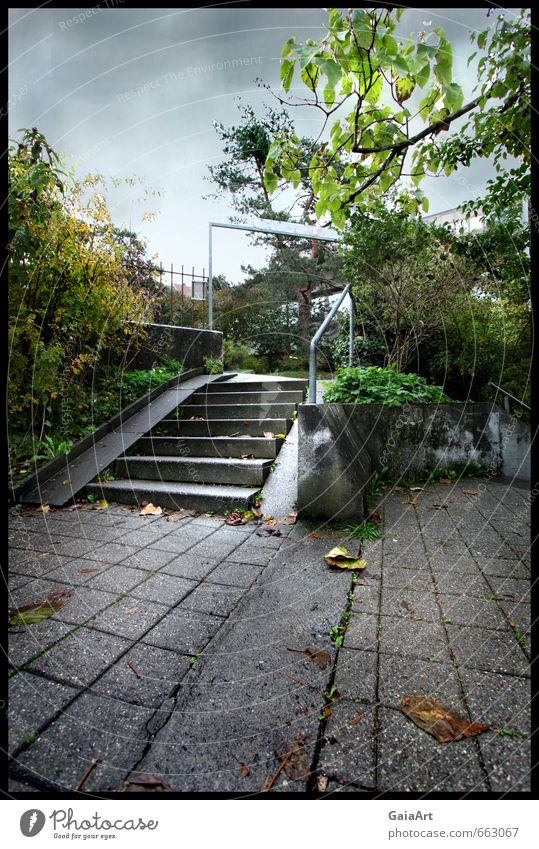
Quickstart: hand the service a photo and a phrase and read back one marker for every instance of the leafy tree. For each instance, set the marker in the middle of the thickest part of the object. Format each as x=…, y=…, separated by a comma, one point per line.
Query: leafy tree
x=360, y=65
x=70, y=288
x=405, y=279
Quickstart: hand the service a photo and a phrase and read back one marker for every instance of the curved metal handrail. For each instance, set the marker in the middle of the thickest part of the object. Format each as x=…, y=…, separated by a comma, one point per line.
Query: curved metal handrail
x=507, y=396
x=320, y=332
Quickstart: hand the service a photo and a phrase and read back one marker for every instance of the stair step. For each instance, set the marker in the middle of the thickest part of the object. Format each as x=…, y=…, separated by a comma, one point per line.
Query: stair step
x=195, y=469
x=173, y=496
x=290, y=384
x=265, y=397
x=207, y=446
x=247, y=412
x=223, y=427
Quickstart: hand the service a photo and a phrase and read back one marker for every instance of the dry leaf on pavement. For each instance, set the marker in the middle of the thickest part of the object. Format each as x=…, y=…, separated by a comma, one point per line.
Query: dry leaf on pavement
x=288, y=520
x=151, y=510
x=143, y=783
x=439, y=720
x=244, y=770
x=31, y=614
x=341, y=557
x=469, y=491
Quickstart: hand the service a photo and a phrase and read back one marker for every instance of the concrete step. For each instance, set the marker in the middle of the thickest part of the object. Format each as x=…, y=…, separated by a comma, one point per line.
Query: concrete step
x=194, y=469
x=173, y=496
x=281, y=384
x=223, y=427
x=247, y=412
x=273, y=397
x=207, y=446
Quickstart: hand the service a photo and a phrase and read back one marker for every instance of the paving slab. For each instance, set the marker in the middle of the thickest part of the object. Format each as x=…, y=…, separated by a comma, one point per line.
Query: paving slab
x=130, y=617
x=411, y=638
x=24, y=643
x=84, y=603
x=491, y=651
x=217, y=600
x=420, y=678
x=187, y=566
x=479, y=612
x=165, y=589
x=81, y=657
x=410, y=604
x=184, y=631
x=145, y=675
x=410, y=760
x=234, y=574
x=33, y=702
x=93, y=727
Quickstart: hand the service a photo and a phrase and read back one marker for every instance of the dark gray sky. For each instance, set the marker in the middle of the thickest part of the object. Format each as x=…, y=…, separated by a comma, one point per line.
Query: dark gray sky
x=133, y=92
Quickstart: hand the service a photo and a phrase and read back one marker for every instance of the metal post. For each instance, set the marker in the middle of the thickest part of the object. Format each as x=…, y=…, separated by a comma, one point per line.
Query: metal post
x=314, y=344
x=171, y=288
x=351, y=332
x=210, y=284
x=506, y=404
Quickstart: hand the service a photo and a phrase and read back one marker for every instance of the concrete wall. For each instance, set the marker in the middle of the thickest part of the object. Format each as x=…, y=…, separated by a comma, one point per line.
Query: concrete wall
x=342, y=445
x=188, y=345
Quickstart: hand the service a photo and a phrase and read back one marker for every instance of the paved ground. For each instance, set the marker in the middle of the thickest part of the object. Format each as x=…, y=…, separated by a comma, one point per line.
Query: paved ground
x=442, y=609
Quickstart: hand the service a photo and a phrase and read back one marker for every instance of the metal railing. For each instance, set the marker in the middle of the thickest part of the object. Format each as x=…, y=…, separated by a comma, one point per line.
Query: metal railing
x=507, y=398
x=320, y=332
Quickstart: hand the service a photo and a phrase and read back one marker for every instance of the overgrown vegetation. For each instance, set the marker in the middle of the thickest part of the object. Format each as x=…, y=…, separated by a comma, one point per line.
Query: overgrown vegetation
x=382, y=386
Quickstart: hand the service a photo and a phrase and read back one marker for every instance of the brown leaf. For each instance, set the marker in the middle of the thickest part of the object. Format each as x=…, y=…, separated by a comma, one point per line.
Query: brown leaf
x=469, y=491
x=268, y=531
x=245, y=457
x=326, y=713
x=234, y=519
x=31, y=614
x=268, y=434
x=374, y=517
x=438, y=720
x=85, y=570
x=151, y=510
x=43, y=509
x=318, y=656
x=146, y=783
x=322, y=782
x=244, y=770
x=288, y=520
x=445, y=480
x=180, y=514
x=313, y=536
x=416, y=489
x=359, y=716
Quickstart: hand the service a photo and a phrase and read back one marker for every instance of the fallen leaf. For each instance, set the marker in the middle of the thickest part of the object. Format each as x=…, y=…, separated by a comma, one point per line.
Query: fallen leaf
x=469, y=491
x=288, y=520
x=234, y=519
x=268, y=434
x=416, y=489
x=341, y=557
x=445, y=480
x=359, y=716
x=438, y=720
x=374, y=517
x=438, y=507
x=180, y=514
x=244, y=770
x=66, y=482
x=102, y=505
x=43, y=509
x=245, y=457
x=325, y=713
x=148, y=783
x=31, y=614
x=322, y=782
x=313, y=536
x=268, y=531
x=412, y=500
x=85, y=570
x=319, y=656
x=151, y=510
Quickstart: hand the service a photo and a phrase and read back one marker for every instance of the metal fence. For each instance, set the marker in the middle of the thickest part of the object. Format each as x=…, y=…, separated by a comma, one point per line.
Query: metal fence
x=191, y=290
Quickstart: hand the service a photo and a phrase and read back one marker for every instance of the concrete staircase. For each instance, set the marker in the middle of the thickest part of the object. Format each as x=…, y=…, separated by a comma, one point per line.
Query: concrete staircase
x=214, y=453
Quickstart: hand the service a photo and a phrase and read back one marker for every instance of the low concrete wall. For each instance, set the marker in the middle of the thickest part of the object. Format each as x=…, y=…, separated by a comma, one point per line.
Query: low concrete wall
x=342, y=445
x=188, y=345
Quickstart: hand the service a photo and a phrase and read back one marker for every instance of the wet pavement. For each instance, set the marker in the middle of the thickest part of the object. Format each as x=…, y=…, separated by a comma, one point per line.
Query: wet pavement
x=180, y=654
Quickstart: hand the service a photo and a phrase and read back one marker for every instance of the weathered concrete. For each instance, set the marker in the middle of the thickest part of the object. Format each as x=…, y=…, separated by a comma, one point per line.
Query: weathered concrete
x=182, y=654
x=188, y=345
x=224, y=427
x=342, y=445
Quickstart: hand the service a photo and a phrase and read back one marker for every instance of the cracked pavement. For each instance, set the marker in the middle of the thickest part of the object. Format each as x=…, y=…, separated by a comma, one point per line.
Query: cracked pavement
x=173, y=657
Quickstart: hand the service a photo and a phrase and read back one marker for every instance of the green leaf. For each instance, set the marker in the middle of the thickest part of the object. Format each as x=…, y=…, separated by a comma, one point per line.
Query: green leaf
x=454, y=97
x=373, y=95
x=404, y=88
x=422, y=76
x=346, y=85
x=425, y=204
x=361, y=24
x=288, y=47
x=444, y=62
x=287, y=72
x=271, y=181
x=332, y=71
x=400, y=65
x=310, y=75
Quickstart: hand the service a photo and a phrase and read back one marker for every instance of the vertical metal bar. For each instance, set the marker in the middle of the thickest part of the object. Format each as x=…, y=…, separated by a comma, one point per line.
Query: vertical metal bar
x=182, y=293
x=312, y=373
x=351, y=332
x=171, y=289
x=210, y=282
x=506, y=404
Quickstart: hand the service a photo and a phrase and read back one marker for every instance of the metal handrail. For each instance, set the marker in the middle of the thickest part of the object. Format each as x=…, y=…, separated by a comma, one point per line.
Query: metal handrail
x=320, y=332
x=507, y=395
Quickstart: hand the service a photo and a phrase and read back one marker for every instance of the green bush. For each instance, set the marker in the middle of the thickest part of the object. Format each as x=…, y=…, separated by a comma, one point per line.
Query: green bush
x=134, y=384
x=375, y=385
x=213, y=366
x=234, y=354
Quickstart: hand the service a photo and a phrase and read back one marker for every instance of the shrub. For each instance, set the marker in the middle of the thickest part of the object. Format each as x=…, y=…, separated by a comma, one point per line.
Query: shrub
x=375, y=385
x=213, y=366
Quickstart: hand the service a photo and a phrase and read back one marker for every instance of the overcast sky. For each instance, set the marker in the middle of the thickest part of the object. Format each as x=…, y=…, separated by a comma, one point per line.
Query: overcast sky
x=133, y=92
